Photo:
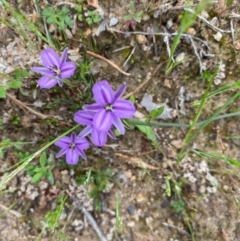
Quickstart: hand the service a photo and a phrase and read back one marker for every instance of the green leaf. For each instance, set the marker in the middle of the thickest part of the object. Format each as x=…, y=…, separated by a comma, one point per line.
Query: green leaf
x=37, y=177
x=68, y=20
x=148, y=131
x=45, y=12
x=139, y=14
x=156, y=112
x=132, y=99
x=78, y=8
x=24, y=73
x=65, y=11
x=137, y=18
x=61, y=24
x=127, y=17
x=15, y=84
x=1, y=153
x=50, y=20
x=2, y=92
x=131, y=4
x=128, y=124
x=89, y=21
x=80, y=17
x=48, y=11
x=39, y=169
x=96, y=19
x=50, y=177
x=43, y=159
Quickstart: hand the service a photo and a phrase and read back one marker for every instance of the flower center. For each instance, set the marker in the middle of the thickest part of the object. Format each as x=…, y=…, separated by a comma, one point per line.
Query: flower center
x=108, y=107
x=55, y=70
x=72, y=146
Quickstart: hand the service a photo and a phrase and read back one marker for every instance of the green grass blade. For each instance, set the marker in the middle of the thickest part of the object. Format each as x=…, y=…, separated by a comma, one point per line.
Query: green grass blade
x=187, y=21
x=30, y=158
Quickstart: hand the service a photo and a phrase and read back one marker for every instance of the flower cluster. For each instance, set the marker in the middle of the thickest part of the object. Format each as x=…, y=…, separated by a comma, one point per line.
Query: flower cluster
x=107, y=112
x=98, y=118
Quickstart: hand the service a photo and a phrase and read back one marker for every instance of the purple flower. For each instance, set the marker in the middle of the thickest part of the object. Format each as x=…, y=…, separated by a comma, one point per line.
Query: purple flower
x=110, y=108
x=73, y=148
x=55, y=69
x=99, y=138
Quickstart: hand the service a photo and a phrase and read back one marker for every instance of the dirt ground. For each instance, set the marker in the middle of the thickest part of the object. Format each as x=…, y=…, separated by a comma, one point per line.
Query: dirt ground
x=208, y=206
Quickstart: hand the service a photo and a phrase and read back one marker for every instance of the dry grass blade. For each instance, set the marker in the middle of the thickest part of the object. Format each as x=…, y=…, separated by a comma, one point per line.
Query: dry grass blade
x=137, y=161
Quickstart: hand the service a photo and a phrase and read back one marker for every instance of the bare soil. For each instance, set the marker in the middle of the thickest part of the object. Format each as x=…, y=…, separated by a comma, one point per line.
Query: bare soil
x=210, y=193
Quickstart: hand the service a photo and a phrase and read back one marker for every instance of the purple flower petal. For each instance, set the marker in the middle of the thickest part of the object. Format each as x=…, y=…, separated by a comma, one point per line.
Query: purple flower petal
x=46, y=82
x=118, y=124
x=63, y=142
x=67, y=70
x=102, y=120
x=72, y=157
x=73, y=148
x=87, y=130
x=124, y=109
x=73, y=137
x=63, y=57
x=43, y=70
x=103, y=93
x=62, y=152
x=82, y=154
x=82, y=142
x=93, y=107
x=120, y=91
x=99, y=138
x=111, y=134
x=50, y=58
x=60, y=82
x=83, y=117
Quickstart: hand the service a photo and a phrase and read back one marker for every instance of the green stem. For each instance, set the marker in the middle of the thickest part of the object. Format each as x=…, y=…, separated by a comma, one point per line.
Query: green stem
x=195, y=119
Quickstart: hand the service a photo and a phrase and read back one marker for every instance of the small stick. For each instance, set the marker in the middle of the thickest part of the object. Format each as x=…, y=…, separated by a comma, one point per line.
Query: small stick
x=180, y=230
x=197, y=54
x=23, y=106
x=15, y=213
x=91, y=220
x=108, y=61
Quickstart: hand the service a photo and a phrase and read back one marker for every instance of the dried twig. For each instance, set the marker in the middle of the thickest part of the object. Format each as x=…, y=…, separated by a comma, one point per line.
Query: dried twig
x=24, y=107
x=15, y=213
x=197, y=54
x=180, y=230
x=137, y=161
x=90, y=219
x=108, y=61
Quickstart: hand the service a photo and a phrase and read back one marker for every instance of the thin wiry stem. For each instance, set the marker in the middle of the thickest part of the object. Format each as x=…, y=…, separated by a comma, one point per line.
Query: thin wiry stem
x=91, y=220
x=207, y=22
x=159, y=34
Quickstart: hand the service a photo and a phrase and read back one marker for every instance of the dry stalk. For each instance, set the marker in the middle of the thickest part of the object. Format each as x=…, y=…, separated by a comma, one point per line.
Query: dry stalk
x=107, y=61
